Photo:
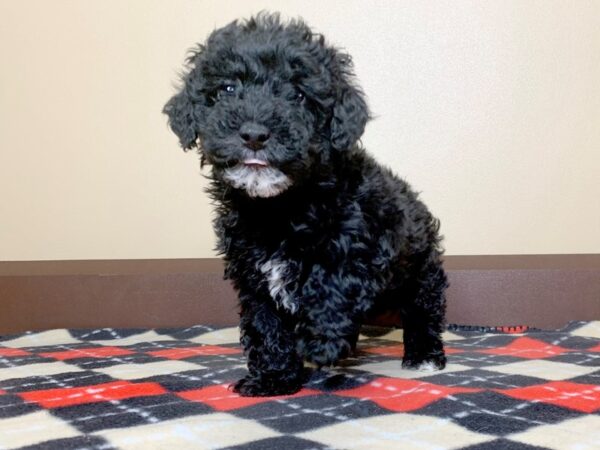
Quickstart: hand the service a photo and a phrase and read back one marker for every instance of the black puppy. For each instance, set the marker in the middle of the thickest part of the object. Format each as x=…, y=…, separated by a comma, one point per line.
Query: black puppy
x=315, y=234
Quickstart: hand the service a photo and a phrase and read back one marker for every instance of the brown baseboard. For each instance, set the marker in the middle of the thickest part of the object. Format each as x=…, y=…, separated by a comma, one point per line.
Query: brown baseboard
x=543, y=291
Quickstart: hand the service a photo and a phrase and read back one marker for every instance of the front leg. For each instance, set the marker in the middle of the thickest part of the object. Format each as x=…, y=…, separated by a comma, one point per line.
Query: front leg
x=423, y=318
x=333, y=307
x=267, y=335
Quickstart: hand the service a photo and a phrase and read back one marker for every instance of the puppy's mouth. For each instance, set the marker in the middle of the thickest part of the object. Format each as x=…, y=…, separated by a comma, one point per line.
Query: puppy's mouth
x=255, y=163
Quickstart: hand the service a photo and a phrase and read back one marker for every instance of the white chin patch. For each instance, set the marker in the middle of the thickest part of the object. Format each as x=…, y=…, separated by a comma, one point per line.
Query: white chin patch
x=258, y=181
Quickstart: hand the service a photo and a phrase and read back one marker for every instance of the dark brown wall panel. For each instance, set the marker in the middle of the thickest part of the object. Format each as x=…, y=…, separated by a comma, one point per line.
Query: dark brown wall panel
x=538, y=290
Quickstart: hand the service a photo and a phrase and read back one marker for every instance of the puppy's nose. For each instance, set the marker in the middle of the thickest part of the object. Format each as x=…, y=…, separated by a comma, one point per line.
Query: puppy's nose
x=254, y=135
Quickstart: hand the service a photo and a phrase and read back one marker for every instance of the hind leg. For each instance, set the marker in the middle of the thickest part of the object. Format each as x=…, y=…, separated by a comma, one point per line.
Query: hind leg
x=423, y=319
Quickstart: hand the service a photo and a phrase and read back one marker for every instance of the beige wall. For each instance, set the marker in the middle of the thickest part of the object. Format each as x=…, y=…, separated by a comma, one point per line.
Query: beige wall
x=490, y=109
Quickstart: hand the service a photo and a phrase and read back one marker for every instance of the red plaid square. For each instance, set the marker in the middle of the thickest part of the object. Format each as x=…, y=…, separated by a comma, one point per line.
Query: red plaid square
x=594, y=349
x=118, y=390
x=94, y=352
x=528, y=348
x=188, y=352
x=393, y=351
x=581, y=397
x=397, y=394
x=221, y=398
x=9, y=352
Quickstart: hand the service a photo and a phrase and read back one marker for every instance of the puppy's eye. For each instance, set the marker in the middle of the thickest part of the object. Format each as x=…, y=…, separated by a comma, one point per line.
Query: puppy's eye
x=299, y=97
x=228, y=88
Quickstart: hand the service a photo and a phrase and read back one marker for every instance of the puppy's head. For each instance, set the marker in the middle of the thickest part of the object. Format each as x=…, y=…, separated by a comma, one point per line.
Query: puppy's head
x=265, y=102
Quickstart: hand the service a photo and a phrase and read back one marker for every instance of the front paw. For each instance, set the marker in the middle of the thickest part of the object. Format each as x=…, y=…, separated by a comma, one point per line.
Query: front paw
x=261, y=385
x=325, y=352
x=424, y=364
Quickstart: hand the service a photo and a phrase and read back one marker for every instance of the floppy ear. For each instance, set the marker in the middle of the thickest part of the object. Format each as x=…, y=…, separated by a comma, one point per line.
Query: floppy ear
x=183, y=108
x=350, y=113
x=180, y=110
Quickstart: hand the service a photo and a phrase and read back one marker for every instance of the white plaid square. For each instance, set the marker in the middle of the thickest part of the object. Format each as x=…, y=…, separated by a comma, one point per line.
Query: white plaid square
x=208, y=431
x=37, y=370
x=218, y=337
x=546, y=370
x=396, y=431
x=32, y=429
x=591, y=329
x=42, y=339
x=582, y=433
x=133, y=371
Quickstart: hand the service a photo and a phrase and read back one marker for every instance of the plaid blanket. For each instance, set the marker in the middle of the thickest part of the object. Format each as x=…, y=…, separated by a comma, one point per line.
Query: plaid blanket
x=167, y=389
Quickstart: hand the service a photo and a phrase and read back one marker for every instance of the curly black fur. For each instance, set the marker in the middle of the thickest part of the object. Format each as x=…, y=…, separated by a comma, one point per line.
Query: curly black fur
x=315, y=234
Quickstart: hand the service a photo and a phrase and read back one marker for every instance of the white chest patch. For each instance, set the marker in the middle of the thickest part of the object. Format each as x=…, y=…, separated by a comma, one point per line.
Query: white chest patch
x=277, y=276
